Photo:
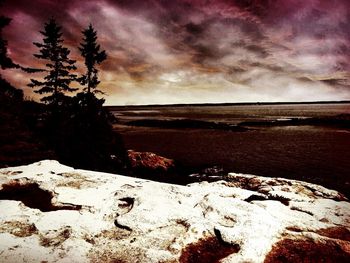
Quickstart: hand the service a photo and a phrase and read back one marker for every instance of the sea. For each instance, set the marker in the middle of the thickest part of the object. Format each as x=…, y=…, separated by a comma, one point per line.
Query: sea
x=314, y=153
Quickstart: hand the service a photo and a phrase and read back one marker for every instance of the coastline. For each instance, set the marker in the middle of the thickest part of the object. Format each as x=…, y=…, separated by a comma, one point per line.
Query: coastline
x=113, y=107
x=312, y=149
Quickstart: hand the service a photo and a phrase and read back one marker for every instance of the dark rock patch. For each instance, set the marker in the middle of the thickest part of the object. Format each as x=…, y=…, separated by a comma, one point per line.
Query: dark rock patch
x=209, y=250
x=300, y=250
x=255, y=198
x=337, y=232
x=126, y=204
x=294, y=229
x=18, y=228
x=31, y=195
x=301, y=210
x=210, y=174
x=278, y=198
x=149, y=161
x=183, y=223
x=57, y=239
x=122, y=226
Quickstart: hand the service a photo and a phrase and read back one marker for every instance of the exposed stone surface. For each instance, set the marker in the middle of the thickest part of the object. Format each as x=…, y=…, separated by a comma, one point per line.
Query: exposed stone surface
x=149, y=161
x=97, y=217
x=210, y=174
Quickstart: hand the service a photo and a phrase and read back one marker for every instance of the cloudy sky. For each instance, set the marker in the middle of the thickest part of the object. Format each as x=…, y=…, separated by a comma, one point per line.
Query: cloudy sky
x=198, y=51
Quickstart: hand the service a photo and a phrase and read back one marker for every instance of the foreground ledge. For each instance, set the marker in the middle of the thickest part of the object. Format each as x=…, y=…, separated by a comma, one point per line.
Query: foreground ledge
x=54, y=213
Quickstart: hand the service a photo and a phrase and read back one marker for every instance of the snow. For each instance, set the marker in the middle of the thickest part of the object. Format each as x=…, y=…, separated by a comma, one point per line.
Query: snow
x=135, y=220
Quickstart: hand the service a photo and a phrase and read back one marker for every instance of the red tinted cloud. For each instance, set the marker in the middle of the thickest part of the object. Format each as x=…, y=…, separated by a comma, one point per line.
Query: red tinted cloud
x=150, y=43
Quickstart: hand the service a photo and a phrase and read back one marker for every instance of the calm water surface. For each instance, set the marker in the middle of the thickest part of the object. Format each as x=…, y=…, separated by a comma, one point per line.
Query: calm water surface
x=310, y=153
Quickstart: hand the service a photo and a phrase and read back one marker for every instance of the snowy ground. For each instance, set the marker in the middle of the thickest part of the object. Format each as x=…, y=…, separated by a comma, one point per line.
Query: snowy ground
x=54, y=213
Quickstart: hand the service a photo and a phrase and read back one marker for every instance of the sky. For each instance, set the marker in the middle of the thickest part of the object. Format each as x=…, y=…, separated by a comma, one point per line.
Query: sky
x=182, y=51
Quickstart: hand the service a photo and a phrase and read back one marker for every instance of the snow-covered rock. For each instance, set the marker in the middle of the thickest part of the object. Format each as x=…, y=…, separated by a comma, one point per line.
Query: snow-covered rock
x=53, y=213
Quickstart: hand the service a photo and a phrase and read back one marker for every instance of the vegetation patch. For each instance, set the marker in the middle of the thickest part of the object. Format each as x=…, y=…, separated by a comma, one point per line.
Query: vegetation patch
x=78, y=183
x=73, y=175
x=11, y=173
x=208, y=250
x=300, y=250
x=55, y=240
x=18, y=229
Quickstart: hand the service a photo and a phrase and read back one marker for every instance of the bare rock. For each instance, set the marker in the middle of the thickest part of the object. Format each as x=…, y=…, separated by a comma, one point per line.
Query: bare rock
x=149, y=161
x=54, y=213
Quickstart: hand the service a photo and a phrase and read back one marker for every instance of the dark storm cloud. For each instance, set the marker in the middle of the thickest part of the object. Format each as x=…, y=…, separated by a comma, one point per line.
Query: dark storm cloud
x=253, y=49
x=194, y=29
x=41, y=10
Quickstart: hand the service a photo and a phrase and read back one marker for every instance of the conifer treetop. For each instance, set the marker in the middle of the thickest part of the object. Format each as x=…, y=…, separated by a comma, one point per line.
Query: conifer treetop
x=93, y=55
x=58, y=65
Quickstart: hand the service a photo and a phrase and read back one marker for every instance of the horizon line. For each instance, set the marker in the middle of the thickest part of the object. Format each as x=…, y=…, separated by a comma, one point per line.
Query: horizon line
x=233, y=103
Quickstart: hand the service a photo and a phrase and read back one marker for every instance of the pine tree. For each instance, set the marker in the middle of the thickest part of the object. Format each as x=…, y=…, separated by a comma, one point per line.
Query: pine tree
x=92, y=55
x=5, y=61
x=59, y=66
x=8, y=94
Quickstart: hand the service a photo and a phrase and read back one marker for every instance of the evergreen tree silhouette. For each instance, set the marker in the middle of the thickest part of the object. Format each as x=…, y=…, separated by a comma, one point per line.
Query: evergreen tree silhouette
x=7, y=91
x=92, y=54
x=58, y=67
x=5, y=61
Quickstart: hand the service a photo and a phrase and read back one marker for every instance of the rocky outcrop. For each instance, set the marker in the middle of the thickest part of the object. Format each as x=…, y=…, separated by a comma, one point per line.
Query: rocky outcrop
x=149, y=161
x=54, y=213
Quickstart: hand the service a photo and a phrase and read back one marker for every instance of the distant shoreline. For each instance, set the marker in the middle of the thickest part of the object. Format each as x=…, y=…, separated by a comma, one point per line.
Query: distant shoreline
x=111, y=107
